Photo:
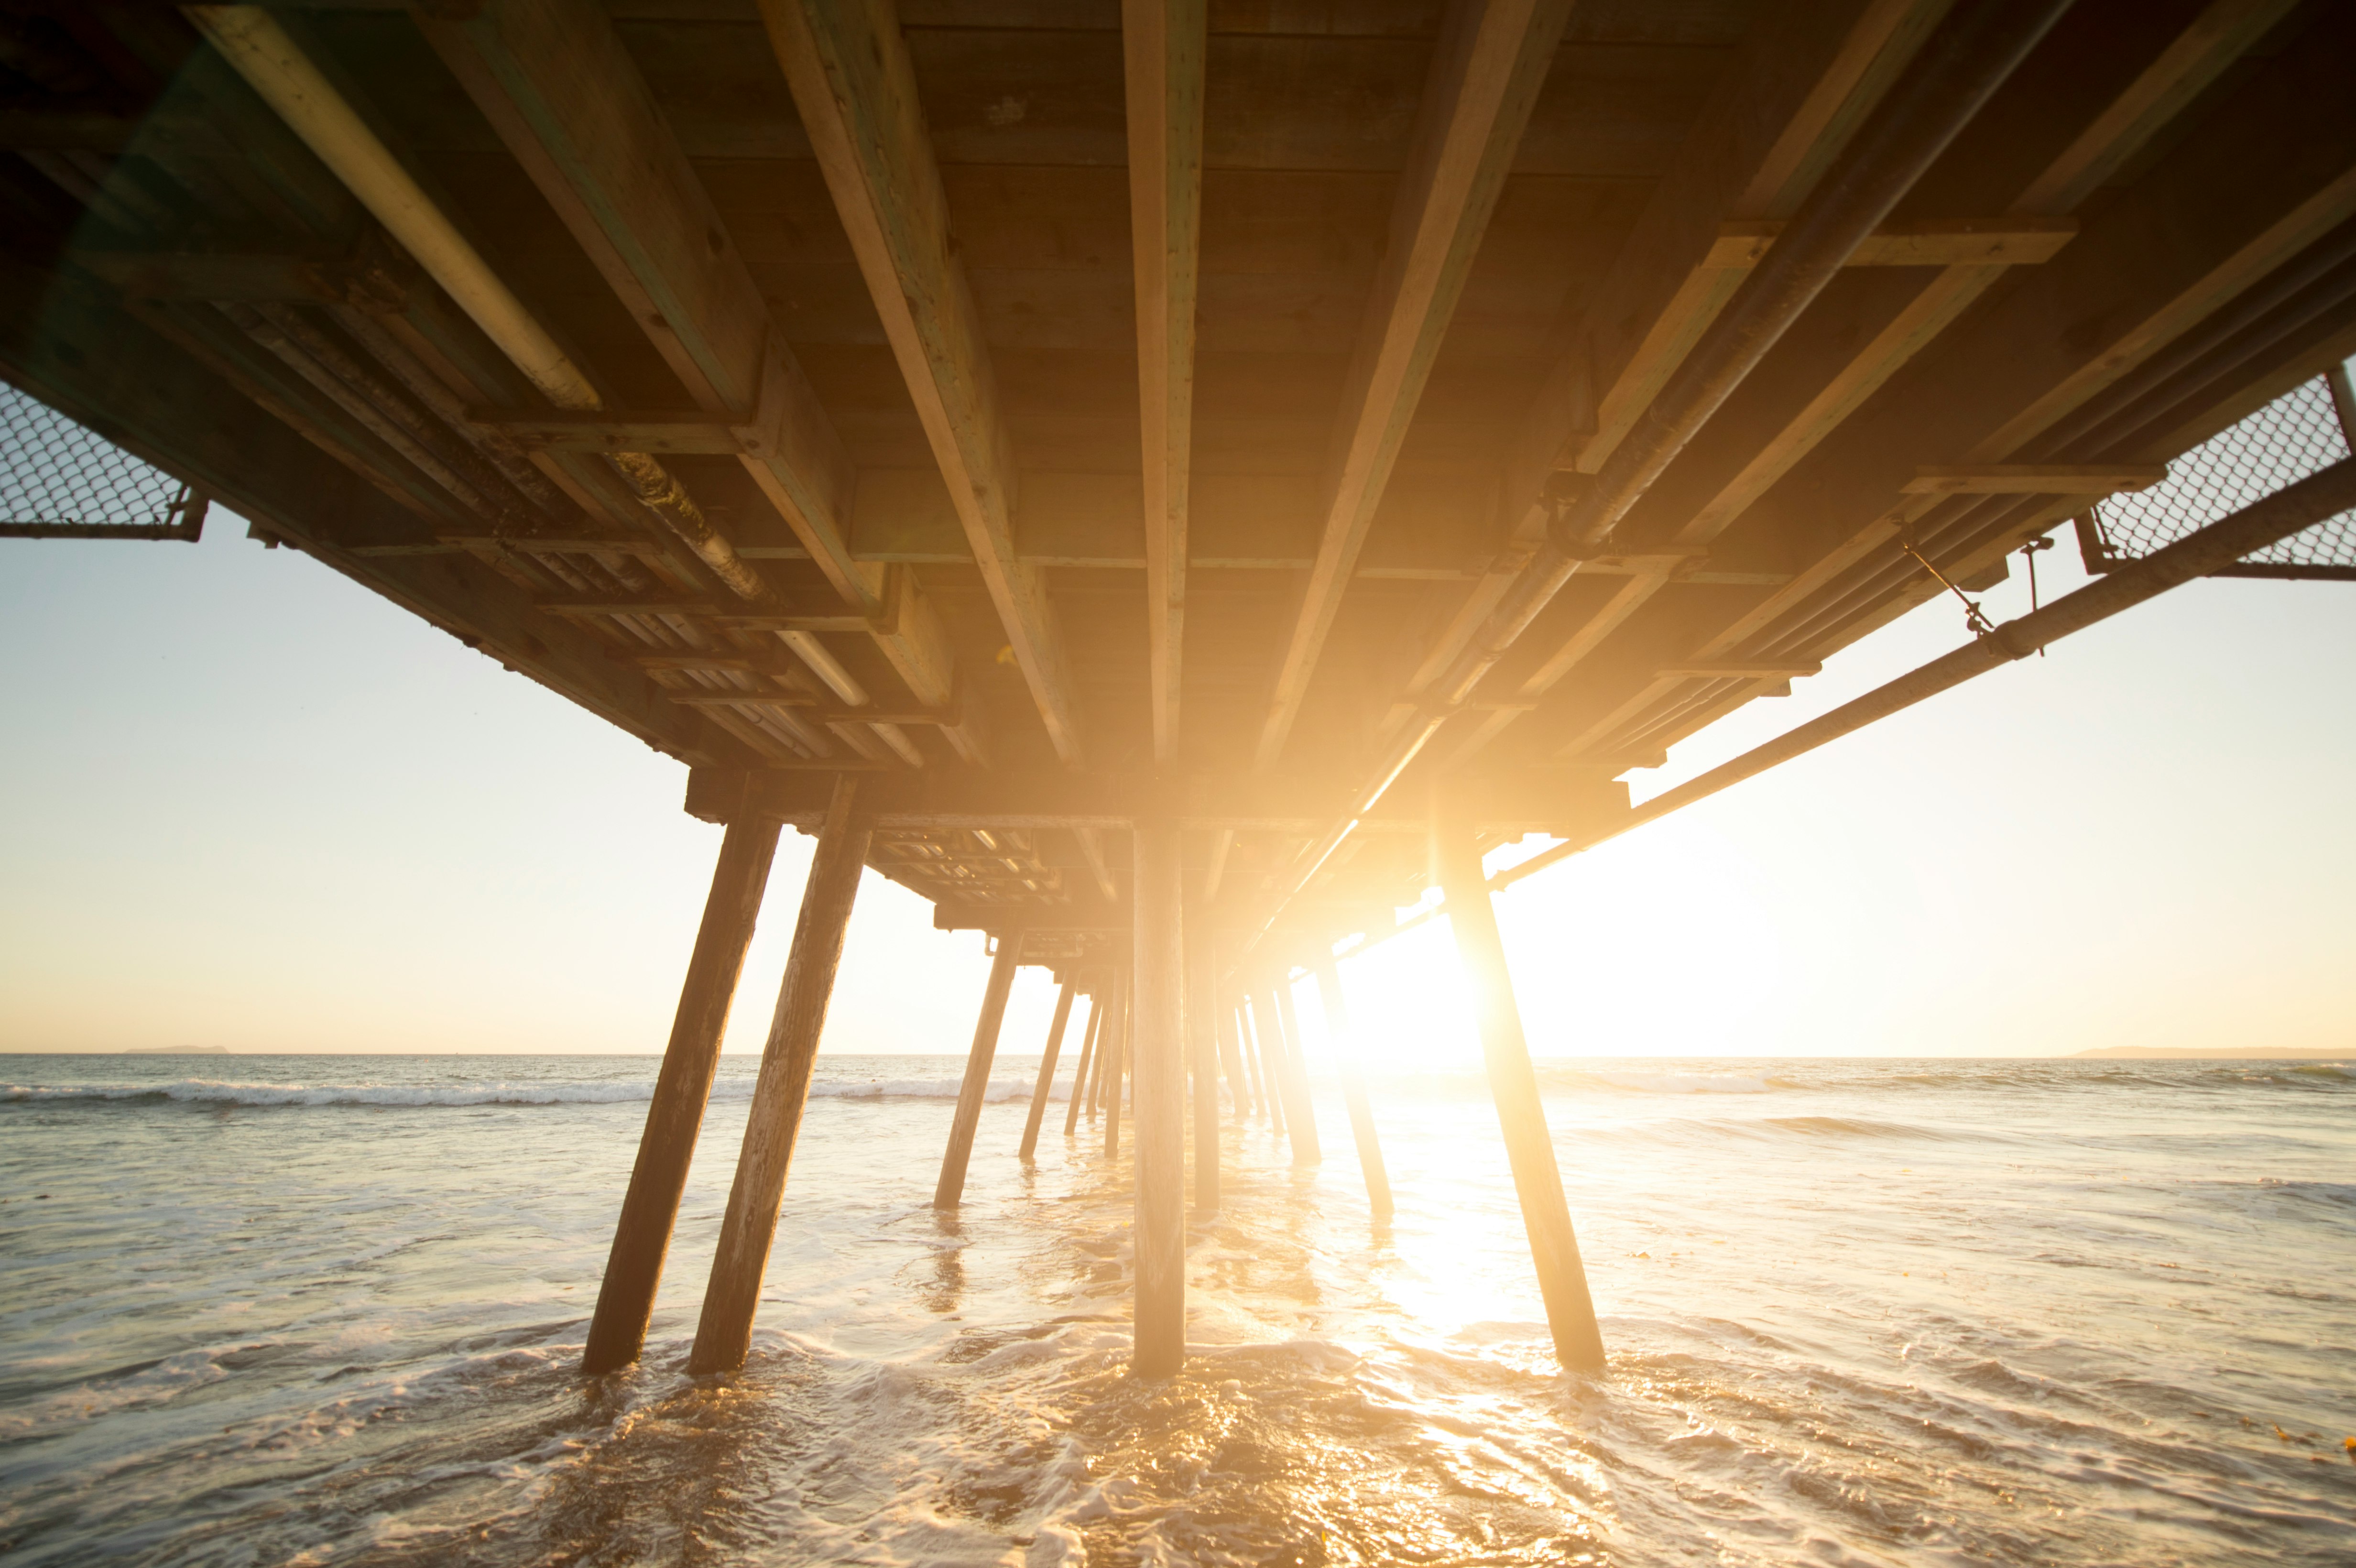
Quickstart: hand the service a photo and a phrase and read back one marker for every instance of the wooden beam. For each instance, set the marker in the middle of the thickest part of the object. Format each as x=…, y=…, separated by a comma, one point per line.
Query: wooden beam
x=1513, y=1083
x=625, y=1297
x=1202, y=1052
x=950, y=1189
x=1080, y=1075
x=1493, y=58
x=1092, y=850
x=1158, y=1031
x=1798, y=91
x=1112, y=1062
x=1738, y=669
x=725, y=1331
x=556, y=83
x=1801, y=88
x=1164, y=44
x=2179, y=72
x=67, y=344
x=855, y=89
x=1743, y=244
x=2035, y=479
x=1501, y=801
x=2194, y=60
x=1354, y=1087
x=1046, y=1074
x=1281, y=1037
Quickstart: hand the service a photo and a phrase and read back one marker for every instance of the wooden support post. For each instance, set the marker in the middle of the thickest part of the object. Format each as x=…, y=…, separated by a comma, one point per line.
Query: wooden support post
x=951, y=1186
x=1115, y=1052
x=1082, y=1085
x=1353, y=1087
x=1231, y=1058
x=1270, y=1101
x=1514, y=1083
x=1158, y=1007
x=725, y=1329
x=1292, y=1079
x=642, y=1236
x=1203, y=1054
x=1046, y=1072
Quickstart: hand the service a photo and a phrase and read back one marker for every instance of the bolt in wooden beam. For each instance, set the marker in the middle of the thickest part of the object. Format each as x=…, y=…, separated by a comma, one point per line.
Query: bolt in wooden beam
x=724, y=1332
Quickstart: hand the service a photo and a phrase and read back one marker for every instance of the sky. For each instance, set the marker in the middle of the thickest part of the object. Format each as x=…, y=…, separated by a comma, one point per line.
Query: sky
x=245, y=803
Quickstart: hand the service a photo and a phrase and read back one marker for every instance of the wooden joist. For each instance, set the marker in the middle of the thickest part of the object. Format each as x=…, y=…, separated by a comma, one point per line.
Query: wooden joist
x=848, y=67
x=555, y=82
x=1164, y=43
x=1805, y=82
x=1491, y=60
x=2035, y=479
x=2181, y=69
x=1743, y=244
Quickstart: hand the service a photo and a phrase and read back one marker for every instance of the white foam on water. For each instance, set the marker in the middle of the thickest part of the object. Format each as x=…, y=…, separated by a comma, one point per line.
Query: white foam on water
x=1688, y=1083
x=2055, y=1320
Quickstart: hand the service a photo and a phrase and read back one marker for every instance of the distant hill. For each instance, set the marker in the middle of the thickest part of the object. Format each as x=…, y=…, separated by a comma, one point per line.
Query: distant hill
x=2194, y=1053
x=175, y=1050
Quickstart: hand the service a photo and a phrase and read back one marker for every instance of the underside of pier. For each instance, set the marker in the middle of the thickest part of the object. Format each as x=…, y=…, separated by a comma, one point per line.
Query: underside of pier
x=1172, y=482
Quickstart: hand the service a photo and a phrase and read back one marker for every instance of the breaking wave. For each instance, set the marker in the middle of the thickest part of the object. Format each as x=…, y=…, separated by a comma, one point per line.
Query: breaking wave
x=207, y=1092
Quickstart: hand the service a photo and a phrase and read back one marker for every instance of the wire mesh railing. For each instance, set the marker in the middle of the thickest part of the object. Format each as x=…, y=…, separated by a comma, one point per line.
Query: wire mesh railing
x=59, y=479
x=2292, y=437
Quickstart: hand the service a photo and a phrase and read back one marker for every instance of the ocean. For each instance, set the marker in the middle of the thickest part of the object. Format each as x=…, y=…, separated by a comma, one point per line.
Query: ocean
x=327, y=1309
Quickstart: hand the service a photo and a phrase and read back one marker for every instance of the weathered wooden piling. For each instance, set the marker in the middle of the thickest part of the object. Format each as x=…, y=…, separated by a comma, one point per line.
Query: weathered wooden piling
x=1203, y=1058
x=1231, y=1058
x=976, y=1087
x=1521, y=1115
x=1081, y=1086
x=781, y=1091
x=1354, y=1087
x=1113, y=1059
x=626, y=1299
x=1047, y=1072
x=1256, y=1049
x=1158, y=1053
x=1292, y=1074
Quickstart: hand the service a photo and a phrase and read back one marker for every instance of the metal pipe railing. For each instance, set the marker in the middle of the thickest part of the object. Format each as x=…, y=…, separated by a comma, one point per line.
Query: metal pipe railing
x=2300, y=505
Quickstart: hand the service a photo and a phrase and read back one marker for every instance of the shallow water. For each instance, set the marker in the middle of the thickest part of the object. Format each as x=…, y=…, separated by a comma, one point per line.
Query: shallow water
x=311, y=1309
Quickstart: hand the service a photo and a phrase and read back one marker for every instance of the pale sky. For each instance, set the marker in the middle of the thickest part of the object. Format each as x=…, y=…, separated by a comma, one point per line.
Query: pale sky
x=248, y=803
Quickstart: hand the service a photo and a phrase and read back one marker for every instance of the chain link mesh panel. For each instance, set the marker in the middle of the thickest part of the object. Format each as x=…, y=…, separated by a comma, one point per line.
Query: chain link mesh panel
x=2283, y=443
x=62, y=480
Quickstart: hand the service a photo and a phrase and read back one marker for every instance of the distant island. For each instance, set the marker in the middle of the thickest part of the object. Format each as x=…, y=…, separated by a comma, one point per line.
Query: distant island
x=175, y=1050
x=2237, y=1052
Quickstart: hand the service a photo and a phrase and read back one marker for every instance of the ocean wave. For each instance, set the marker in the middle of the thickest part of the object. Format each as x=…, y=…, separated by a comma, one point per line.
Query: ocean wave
x=1678, y=1082
x=593, y=1091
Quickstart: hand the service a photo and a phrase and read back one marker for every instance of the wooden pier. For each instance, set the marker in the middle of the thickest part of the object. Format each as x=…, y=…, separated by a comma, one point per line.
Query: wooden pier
x=1166, y=481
